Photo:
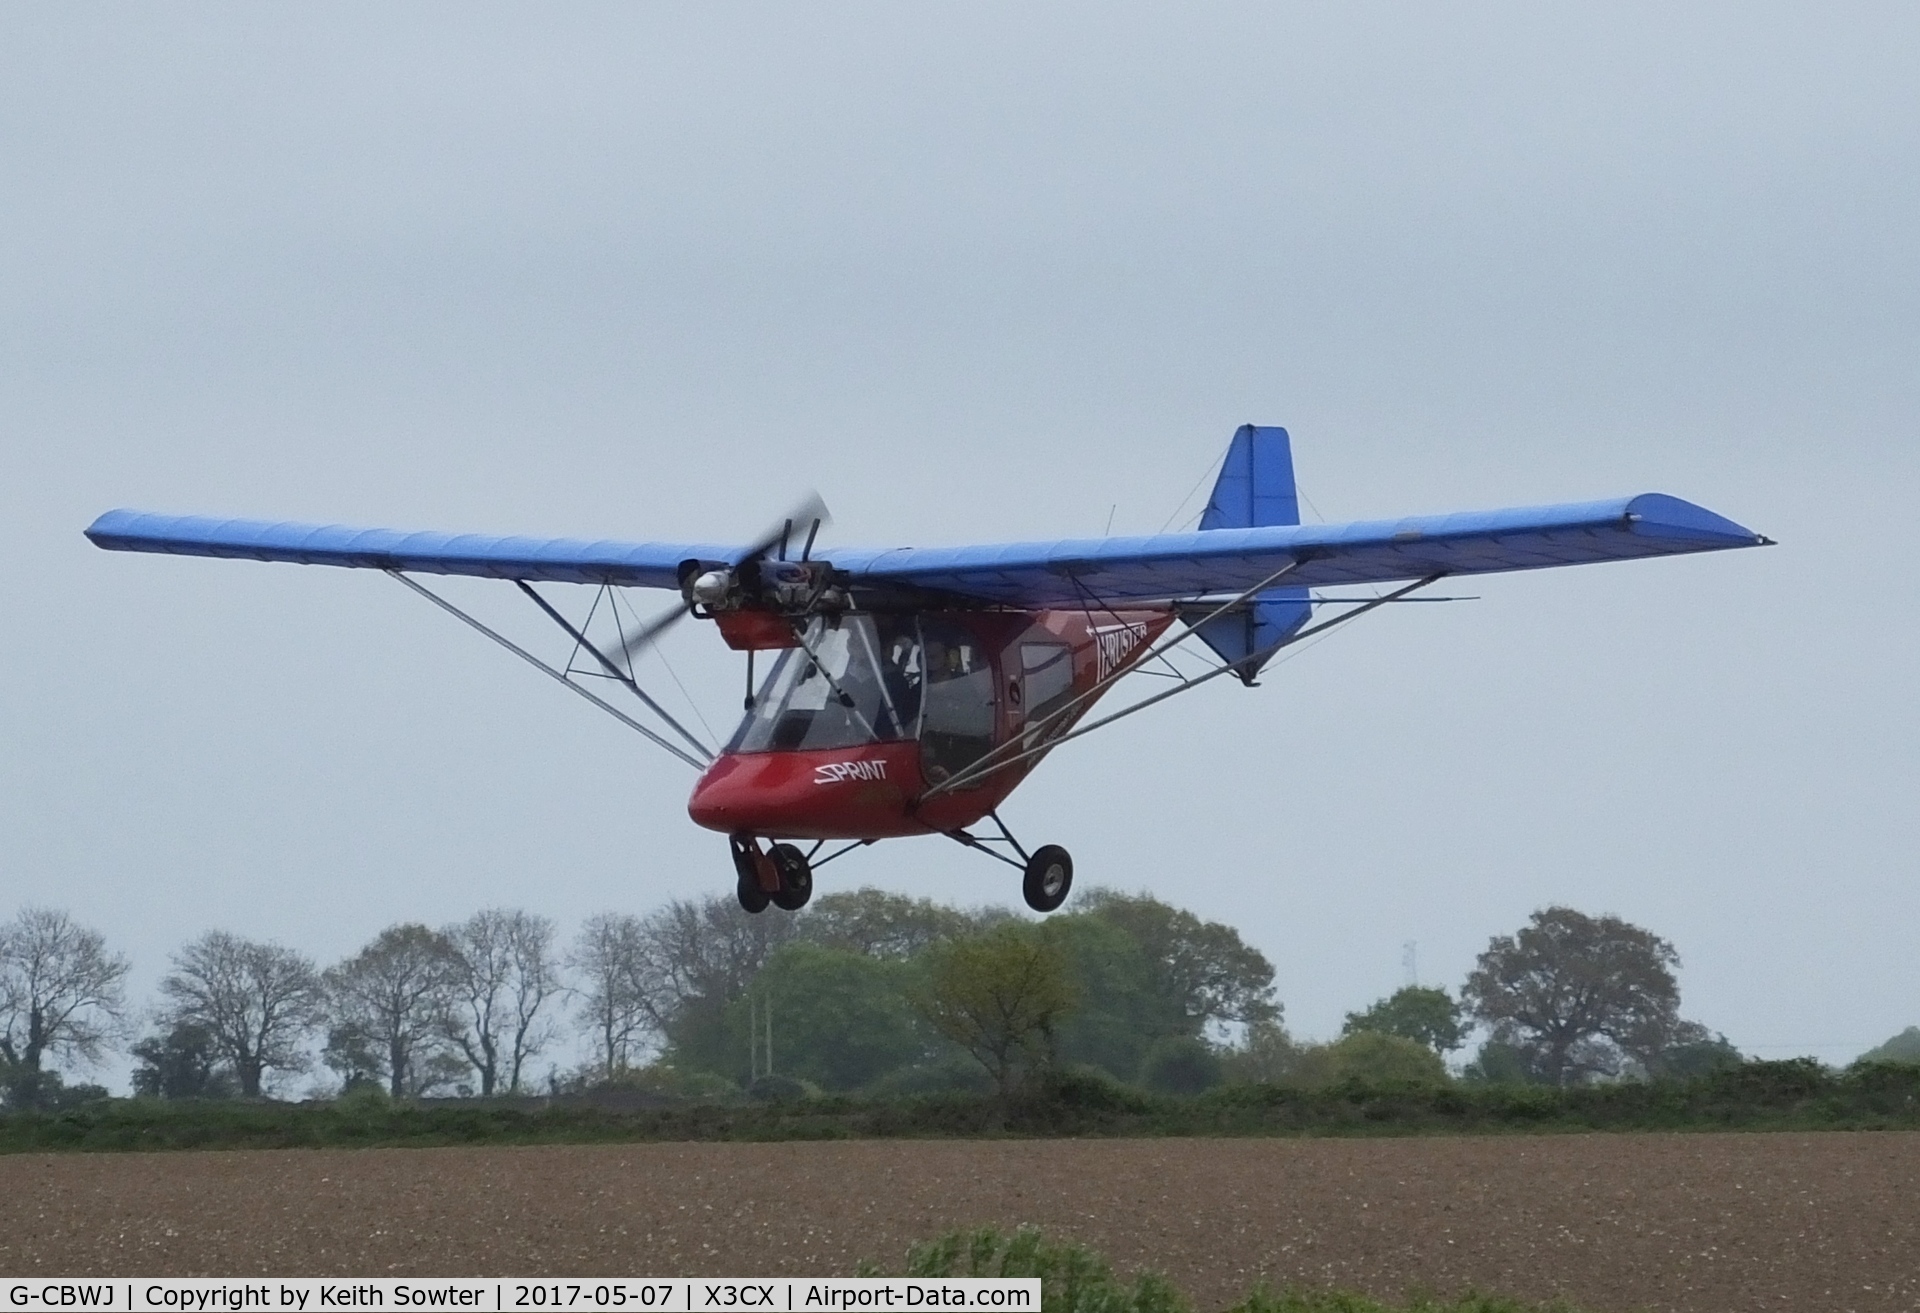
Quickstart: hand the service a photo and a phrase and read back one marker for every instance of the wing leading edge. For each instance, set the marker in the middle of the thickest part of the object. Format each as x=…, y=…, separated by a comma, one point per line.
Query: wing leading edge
x=1069, y=572
x=1379, y=551
x=559, y=560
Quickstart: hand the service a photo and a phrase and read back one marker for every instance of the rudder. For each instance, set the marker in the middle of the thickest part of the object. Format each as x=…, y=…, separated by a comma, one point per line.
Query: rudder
x=1255, y=487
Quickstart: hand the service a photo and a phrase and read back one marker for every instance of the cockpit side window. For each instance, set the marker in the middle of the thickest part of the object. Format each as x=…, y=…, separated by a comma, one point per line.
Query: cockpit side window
x=897, y=654
x=960, y=706
x=1046, y=674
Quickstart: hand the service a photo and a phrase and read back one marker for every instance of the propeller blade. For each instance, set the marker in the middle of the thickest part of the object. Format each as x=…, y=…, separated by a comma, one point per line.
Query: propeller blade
x=637, y=641
x=811, y=513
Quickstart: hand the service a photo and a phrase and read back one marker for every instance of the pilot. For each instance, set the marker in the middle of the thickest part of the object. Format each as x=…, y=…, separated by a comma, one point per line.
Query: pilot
x=900, y=669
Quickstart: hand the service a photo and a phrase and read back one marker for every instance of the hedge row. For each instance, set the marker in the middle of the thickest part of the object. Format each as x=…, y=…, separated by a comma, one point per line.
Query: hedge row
x=1796, y=1095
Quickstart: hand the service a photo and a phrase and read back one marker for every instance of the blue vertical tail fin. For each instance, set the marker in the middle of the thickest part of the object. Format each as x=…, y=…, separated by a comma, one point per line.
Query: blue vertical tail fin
x=1255, y=489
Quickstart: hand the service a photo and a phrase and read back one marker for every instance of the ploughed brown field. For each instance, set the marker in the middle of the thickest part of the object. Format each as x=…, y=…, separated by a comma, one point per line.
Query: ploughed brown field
x=1612, y=1222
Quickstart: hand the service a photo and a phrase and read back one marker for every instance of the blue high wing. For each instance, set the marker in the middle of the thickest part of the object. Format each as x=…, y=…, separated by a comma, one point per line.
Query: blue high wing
x=1064, y=573
x=1183, y=565
x=559, y=560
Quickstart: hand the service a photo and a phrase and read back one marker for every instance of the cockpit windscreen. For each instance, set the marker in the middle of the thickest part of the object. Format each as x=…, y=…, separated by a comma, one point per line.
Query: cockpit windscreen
x=855, y=679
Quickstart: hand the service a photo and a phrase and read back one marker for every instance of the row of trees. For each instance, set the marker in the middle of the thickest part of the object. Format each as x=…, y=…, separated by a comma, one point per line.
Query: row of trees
x=845, y=995
x=1567, y=999
x=869, y=990
x=863, y=991
x=417, y=1009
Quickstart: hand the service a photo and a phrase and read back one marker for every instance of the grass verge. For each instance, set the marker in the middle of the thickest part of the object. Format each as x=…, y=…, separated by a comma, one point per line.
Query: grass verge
x=1077, y=1280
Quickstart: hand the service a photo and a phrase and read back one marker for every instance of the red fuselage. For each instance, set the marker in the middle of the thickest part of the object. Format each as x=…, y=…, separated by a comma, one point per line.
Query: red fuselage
x=868, y=713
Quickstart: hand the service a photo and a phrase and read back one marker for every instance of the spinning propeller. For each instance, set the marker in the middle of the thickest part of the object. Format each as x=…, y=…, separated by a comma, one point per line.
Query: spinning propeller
x=700, y=584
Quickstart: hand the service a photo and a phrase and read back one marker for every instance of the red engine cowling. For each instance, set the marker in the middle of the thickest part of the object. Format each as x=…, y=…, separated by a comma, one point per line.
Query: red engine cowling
x=755, y=631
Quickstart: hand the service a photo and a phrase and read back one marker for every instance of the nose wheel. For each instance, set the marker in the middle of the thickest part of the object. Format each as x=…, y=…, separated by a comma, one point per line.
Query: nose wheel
x=796, y=877
x=781, y=876
x=748, y=862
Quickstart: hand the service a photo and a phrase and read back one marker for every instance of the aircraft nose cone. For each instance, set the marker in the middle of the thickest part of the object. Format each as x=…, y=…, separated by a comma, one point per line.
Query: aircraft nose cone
x=832, y=793
x=720, y=800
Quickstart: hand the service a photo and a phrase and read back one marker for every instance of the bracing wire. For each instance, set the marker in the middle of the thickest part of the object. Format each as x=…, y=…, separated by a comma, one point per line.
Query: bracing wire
x=672, y=674
x=1212, y=466
x=545, y=669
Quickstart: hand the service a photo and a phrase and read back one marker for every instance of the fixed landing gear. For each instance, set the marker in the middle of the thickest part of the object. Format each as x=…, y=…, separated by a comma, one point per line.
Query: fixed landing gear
x=1048, y=879
x=780, y=876
x=1046, y=874
x=796, y=877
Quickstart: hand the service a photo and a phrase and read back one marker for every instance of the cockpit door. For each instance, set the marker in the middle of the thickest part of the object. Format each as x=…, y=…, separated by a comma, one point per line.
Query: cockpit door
x=957, y=726
x=1045, y=686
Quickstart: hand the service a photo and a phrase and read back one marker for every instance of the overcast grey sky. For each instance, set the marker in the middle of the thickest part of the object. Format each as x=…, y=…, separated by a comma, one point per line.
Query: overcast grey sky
x=980, y=272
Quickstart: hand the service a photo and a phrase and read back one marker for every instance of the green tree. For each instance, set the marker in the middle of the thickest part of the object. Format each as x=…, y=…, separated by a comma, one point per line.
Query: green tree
x=354, y=1056
x=1181, y=1064
x=1203, y=969
x=840, y=1020
x=1904, y=1047
x=1265, y=1055
x=397, y=992
x=1579, y=995
x=42, y=1090
x=1001, y=996
x=1425, y=1016
x=1120, y=1011
x=1376, y=1058
x=1500, y=1063
x=183, y=1063
x=689, y=962
x=880, y=924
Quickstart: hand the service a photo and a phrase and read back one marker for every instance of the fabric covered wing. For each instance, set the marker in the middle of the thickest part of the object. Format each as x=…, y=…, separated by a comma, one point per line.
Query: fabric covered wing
x=562, y=560
x=1233, y=560
x=1067, y=573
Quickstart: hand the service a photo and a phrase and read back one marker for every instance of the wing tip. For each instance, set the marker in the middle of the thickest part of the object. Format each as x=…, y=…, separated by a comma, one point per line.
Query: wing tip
x=1663, y=515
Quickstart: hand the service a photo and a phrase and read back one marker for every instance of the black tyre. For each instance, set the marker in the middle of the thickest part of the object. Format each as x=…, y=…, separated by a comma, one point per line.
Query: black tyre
x=1049, y=878
x=752, y=897
x=796, y=877
x=746, y=875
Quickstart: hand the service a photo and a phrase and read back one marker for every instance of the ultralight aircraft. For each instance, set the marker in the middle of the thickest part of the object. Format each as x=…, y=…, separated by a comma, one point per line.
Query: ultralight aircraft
x=915, y=687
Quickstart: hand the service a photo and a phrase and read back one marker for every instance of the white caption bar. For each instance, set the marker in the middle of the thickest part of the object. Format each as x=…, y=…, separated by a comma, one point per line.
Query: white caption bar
x=495, y=1295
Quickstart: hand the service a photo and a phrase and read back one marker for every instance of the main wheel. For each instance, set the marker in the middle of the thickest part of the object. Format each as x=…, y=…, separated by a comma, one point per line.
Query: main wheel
x=796, y=876
x=1049, y=878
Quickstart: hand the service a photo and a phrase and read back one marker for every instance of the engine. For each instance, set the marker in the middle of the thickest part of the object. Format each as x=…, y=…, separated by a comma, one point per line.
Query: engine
x=787, y=588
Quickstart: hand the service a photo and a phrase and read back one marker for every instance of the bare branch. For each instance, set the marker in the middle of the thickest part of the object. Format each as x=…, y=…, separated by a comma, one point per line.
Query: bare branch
x=61, y=992
x=258, y=1001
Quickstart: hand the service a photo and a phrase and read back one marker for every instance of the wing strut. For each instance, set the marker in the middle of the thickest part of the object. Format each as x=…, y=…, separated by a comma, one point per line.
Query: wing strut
x=545, y=669
x=999, y=757
x=986, y=766
x=611, y=669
